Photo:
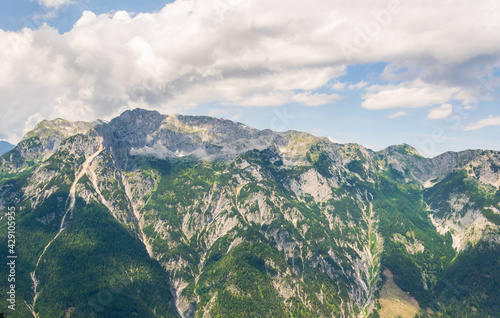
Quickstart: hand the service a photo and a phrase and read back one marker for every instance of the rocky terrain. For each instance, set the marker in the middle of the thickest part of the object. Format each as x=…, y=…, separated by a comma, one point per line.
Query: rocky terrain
x=202, y=217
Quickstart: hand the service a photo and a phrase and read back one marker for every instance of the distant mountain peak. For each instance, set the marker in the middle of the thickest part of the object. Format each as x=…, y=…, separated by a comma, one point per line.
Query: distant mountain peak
x=5, y=146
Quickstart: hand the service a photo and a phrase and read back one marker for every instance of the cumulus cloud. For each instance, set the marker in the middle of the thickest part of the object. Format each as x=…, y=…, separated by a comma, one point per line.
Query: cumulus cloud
x=441, y=112
x=243, y=53
x=407, y=95
x=480, y=124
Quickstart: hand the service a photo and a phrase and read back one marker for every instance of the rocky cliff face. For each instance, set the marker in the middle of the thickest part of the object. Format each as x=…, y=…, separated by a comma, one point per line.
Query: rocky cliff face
x=242, y=220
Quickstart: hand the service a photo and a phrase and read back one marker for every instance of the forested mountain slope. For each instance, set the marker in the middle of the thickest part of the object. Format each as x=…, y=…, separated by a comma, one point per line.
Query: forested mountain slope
x=165, y=216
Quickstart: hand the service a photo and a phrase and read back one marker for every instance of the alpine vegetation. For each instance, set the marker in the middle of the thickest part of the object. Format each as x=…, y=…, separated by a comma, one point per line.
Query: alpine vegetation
x=151, y=215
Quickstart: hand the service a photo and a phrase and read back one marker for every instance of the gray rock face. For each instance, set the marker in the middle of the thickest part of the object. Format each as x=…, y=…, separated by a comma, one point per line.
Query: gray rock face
x=140, y=132
x=43, y=141
x=407, y=161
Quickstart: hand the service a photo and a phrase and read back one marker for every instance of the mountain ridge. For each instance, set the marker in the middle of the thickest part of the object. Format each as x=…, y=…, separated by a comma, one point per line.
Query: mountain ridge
x=240, y=219
x=175, y=123
x=81, y=127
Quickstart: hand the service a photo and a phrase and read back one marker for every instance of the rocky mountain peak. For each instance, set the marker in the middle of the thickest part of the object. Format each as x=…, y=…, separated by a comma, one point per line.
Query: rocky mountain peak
x=44, y=140
x=403, y=149
x=59, y=128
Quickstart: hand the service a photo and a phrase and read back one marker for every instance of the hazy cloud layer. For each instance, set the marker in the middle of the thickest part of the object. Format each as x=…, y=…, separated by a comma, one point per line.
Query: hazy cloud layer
x=246, y=53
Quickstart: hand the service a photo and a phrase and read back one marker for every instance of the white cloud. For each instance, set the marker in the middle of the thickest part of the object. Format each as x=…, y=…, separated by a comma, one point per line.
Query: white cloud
x=54, y=3
x=338, y=86
x=32, y=121
x=440, y=112
x=242, y=53
x=480, y=124
x=397, y=114
x=358, y=85
x=407, y=95
x=310, y=99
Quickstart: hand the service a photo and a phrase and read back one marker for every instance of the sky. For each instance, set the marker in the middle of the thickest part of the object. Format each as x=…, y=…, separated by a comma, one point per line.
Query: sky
x=372, y=72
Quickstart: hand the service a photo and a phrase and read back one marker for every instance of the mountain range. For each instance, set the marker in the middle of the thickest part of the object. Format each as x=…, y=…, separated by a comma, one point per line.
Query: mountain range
x=5, y=146
x=150, y=215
